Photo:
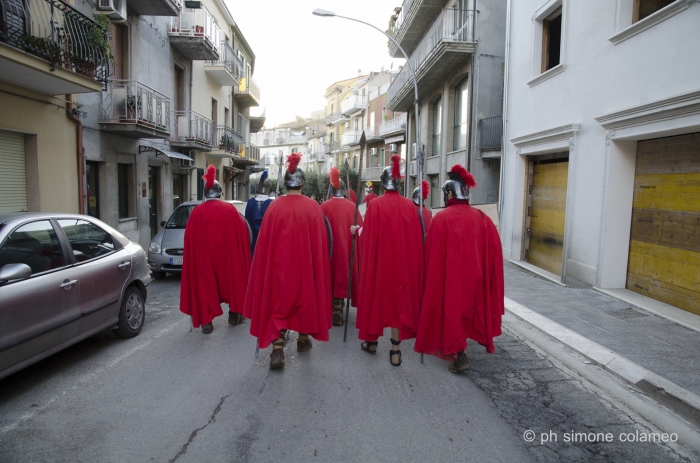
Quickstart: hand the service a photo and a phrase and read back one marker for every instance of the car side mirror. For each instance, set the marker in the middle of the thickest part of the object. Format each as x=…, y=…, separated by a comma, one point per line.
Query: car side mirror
x=162, y=224
x=14, y=272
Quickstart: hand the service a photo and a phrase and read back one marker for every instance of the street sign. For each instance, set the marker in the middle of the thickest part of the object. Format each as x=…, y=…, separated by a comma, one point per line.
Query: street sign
x=368, y=183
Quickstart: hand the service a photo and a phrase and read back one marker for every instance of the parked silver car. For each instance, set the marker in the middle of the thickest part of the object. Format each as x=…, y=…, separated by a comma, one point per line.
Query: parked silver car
x=64, y=277
x=168, y=246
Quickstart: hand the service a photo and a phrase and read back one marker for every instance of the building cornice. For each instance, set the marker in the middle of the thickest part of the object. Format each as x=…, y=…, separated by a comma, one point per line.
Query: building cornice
x=547, y=141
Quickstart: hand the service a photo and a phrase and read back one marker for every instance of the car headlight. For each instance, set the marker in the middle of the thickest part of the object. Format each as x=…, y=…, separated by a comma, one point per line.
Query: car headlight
x=154, y=248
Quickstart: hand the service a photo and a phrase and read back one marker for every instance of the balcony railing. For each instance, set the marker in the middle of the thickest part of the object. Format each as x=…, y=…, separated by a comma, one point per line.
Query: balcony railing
x=190, y=126
x=131, y=102
x=451, y=25
x=297, y=139
x=56, y=32
x=338, y=116
x=228, y=139
x=248, y=86
x=354, y=104
x=490, y=133
x=253, y=152
x=392, y=126
x=351, y=137
x=197, y=22
x=229, y=59
x=372, y=173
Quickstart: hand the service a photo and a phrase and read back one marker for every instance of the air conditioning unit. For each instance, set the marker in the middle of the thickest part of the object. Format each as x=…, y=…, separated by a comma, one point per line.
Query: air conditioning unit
x=413, y=151
x=373, y=151
x=186, y=163
x=393, y=148
x=113, y=9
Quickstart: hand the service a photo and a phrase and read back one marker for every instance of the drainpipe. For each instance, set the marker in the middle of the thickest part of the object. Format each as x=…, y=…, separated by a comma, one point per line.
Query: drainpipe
x=504, y=132
x=81, y=157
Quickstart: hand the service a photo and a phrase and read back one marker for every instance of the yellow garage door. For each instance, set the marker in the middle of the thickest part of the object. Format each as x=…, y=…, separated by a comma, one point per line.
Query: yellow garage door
x=13, y=176
x=546, y=214
x=664, y=259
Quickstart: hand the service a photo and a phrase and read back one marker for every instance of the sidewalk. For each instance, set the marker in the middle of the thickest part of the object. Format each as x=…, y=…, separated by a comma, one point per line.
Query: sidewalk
x=662, y=356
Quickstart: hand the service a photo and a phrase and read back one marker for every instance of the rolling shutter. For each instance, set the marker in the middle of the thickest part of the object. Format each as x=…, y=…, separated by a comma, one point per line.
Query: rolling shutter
x=116, y=40
x=664, y=255
x=13, y=174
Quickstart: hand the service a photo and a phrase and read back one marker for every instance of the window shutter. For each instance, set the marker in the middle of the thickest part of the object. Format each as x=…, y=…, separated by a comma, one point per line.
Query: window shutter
x=116, y=40
x=200, y=184
x=13, y=174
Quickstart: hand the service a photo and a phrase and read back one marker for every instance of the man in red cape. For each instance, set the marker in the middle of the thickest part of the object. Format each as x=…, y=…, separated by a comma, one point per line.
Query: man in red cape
x=391, y=272
x=370, y=196
x=352, y=197
x=425, y=191
x=463, y=301
x=341, y=216
x=216, y=262
x=290, y=281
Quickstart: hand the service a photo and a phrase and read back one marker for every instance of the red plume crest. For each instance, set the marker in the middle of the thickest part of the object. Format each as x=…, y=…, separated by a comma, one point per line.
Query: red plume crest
x=426, y=190
x=335, y=177
x=210, y=176
x=466, y=176
x=293, y=161
x=396, y=167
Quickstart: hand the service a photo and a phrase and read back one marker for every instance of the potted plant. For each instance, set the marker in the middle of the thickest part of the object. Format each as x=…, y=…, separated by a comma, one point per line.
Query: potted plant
x=44, y=48
x=92, y=50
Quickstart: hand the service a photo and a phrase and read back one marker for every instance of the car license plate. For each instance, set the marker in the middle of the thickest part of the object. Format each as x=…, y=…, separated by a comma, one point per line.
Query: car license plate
x=176, y=261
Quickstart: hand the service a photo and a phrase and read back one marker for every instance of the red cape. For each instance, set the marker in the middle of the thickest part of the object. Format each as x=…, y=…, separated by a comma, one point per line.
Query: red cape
x=341, y=216
x=464, y=290
x=391, y=271
x=216, y=262
x=427, y=216
x=290, y=281
x=353, y=197
x=368, y=199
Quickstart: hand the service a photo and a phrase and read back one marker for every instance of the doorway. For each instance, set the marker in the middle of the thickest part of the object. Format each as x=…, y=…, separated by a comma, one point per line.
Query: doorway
x=93, y=188
x=153, y=190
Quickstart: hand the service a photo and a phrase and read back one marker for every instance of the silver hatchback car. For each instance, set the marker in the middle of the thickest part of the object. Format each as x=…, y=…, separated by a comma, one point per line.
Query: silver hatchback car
x=168, y=246
x=64, y=277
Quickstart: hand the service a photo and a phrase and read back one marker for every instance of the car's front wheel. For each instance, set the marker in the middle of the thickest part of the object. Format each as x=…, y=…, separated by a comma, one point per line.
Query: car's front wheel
x=132, y=313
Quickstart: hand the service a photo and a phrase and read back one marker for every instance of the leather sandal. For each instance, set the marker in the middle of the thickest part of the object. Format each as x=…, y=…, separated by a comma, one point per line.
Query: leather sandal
x=277, y=355
x=234, y=318
x=338, y=319
x=461, y=364
x=394, y=352
x=303, y=343
x=368, y=345
x=208, y=328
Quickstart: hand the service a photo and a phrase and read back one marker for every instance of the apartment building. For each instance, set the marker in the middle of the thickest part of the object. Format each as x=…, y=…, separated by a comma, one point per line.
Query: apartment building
x=457, y=49
x=602, y=146
x=337, y=122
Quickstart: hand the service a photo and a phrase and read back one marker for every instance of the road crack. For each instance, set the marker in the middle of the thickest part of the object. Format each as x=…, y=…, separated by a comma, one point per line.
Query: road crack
x=193, y=434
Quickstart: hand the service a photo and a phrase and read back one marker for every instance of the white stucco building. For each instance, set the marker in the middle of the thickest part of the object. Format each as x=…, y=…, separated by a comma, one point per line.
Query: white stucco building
x=602, y=146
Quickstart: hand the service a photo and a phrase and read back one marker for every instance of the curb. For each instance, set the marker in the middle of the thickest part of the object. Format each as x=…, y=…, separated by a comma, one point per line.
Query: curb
x=672, y=396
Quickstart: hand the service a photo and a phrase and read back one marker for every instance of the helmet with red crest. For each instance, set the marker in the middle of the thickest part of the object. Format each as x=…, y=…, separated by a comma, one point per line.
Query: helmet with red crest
x=294, y=177
x=212, y=188
x=391, y=176
x=459, y=183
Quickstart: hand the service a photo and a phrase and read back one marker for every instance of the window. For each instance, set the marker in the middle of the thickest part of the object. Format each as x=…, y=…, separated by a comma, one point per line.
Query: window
x=125, y=181
x=227, y=117
x=461, y=113
x=434, y=190
x=86, y=239
x=34, y=244
x=381, y=159
x=239, y=123
x=644, y=8
x=180, y=217
x=551, y=40
x=200, y=185
x=437, y=124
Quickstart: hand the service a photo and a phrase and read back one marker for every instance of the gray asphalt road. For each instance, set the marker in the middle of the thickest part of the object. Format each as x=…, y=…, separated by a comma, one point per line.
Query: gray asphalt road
x=172, y=395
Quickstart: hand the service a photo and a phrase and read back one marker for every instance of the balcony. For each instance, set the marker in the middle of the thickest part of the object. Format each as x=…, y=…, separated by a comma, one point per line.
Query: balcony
x=351, y=137
x=248, y=93
x=50, y=47
x=414, y=19
x=338, y=117
x=132, y=109
x=256, y=123
x=372, y=173
x=253, y=153
x=191, y=131
x=372, y=134
x=393, y=127
x=157, y=7
x=443, y=48
x=196, y=34
x=228, y=69
x=490, y=134
x=227, y=142
x=354, y=104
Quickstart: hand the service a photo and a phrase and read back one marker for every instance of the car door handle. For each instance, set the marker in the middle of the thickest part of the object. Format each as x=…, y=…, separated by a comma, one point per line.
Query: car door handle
x=68, y=284
x=124, y=265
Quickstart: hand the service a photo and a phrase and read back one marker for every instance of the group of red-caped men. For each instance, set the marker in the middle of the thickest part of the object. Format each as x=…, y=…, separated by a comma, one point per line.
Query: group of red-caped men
x=442, y=288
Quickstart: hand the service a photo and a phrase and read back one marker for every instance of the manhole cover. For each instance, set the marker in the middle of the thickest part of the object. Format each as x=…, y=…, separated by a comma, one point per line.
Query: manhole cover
x=626, y=313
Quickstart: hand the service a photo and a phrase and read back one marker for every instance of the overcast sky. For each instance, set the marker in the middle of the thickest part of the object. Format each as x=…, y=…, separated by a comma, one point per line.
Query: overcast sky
x=299, y=55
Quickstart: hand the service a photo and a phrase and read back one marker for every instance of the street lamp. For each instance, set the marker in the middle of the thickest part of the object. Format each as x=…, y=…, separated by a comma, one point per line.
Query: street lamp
x=419, y=150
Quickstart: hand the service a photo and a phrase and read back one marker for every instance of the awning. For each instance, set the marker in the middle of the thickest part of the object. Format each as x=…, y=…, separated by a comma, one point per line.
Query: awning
x=170, y=154
x=398, y=139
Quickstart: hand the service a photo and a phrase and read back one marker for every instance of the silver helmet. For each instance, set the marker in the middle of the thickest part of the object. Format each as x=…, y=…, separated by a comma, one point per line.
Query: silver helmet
x=340, y=191
x=391, y=176
x=417, y=192
x=212, y=188
x=294, y=176
x=459, y=183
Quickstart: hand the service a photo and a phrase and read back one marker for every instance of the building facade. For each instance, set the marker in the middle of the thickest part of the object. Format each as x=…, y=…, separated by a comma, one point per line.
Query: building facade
x=457, y=50
x=602, y=150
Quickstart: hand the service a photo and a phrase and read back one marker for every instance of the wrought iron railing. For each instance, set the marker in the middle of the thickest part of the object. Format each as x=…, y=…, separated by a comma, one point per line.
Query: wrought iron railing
x=249, y=86
x=197, y=22
x=131, y=102
x=405, y=8
x=451, y=25
x=228, y=139
x=229, y=58
x=56, y=32
x=354, y=103
x=490, y=133
x=397, y=124
x=189, y=126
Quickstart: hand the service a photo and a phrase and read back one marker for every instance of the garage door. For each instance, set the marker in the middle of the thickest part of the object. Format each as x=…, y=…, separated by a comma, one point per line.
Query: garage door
x=664, y=258
x=546, y=213
x=13, y=177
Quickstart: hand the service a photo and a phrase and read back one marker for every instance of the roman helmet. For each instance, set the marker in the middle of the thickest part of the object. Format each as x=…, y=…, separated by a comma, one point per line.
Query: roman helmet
x=337, y=185
x=264, y=184
x=417, y=192
x=212, y=188
x=459, y=183
x=391, y=176
x=294, y=176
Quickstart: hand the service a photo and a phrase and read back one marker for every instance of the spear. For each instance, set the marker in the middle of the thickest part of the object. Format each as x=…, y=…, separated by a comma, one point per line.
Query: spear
x=363, y=142
x=419, y=161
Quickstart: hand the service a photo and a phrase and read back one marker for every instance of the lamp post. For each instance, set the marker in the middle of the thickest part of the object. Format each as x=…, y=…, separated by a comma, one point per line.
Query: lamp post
x=419, y=149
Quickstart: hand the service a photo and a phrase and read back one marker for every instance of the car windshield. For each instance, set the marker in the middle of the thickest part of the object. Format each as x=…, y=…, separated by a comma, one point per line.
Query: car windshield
x=179, y=217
